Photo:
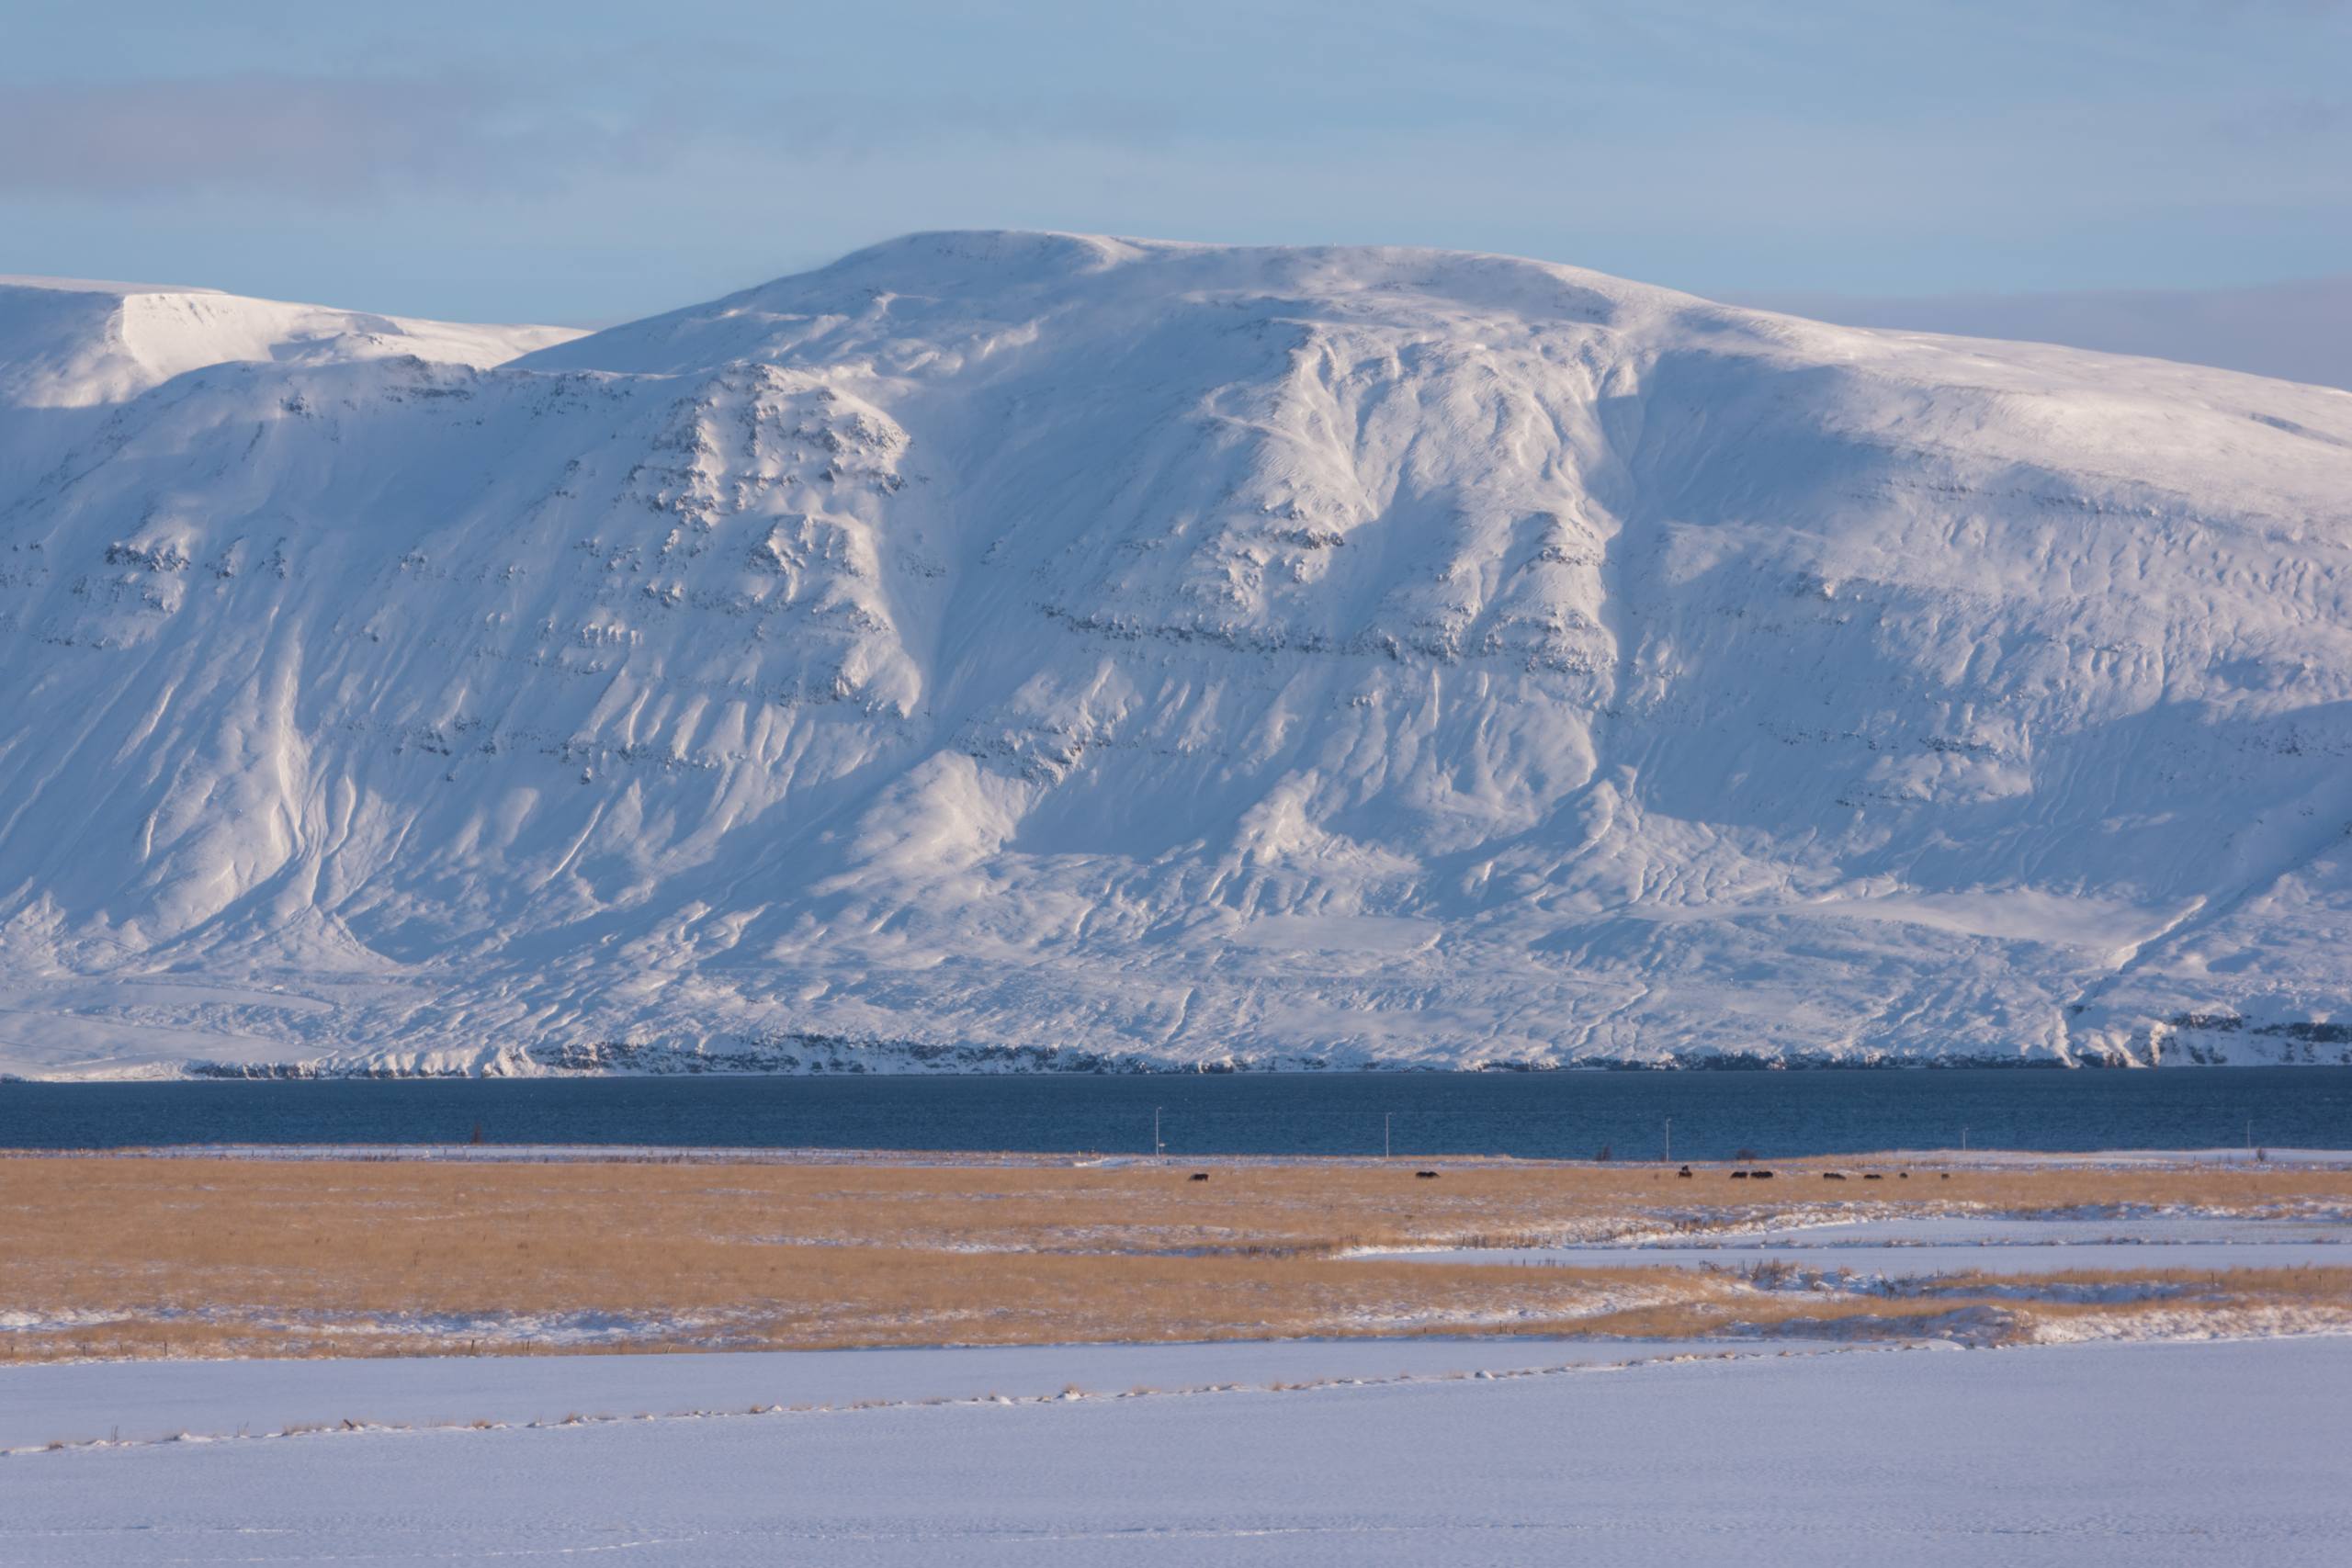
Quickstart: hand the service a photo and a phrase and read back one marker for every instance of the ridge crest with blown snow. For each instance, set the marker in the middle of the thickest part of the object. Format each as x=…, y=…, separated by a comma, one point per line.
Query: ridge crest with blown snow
x=999, y=651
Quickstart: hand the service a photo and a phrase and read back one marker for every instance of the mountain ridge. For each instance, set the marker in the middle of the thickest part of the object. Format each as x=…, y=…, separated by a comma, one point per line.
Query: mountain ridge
x=1001, y=649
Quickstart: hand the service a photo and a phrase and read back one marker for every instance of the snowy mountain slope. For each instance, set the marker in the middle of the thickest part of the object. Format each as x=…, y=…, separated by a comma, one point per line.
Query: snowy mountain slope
x=1011, y=649
x=72, y=351
x=67, y=343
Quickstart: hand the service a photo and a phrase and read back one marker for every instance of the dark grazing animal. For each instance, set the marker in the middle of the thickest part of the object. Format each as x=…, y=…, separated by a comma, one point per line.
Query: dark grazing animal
x=1833, y=1176
x=1200, y=1176
x=1684, y=1174
x=1739, y=1176
x=1425, y=1176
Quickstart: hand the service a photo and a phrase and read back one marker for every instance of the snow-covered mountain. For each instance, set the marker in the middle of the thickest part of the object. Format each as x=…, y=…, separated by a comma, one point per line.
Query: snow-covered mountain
x=1022, y=649
x=65, y=343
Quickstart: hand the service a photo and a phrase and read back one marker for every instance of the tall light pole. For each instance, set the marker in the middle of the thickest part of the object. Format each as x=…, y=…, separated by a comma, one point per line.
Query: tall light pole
x=1670, y=1140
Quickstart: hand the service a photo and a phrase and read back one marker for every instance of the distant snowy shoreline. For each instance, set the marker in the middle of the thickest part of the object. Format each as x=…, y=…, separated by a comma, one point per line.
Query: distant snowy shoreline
x=885, y=1063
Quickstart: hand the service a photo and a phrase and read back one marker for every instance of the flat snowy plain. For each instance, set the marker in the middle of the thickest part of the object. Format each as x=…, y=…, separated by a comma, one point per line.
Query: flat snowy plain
x=2147, y=1455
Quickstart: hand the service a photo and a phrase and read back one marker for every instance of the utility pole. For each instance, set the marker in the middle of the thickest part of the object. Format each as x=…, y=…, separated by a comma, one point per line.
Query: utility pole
x=1386, y=1117
x=1963, y=1140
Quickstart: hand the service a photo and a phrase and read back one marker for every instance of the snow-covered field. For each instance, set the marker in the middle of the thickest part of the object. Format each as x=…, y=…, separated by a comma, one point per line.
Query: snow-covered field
x=993, y=649
x=79, y=1403
x=1912, y=1248
x=2079, y=1457
x=1832, y=1418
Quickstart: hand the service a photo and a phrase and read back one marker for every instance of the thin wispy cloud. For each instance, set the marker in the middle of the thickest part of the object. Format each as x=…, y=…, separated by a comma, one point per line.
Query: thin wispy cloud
x=589, y=162
x=2288, y=120
x=2299, y=330
x=318, y=137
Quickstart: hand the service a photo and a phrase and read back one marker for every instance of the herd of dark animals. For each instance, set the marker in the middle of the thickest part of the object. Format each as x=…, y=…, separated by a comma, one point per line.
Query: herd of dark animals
x=1684, y=1175
x=1418, y=1175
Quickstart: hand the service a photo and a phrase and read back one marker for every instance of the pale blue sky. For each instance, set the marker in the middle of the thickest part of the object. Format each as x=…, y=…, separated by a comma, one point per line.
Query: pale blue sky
x=588, y=161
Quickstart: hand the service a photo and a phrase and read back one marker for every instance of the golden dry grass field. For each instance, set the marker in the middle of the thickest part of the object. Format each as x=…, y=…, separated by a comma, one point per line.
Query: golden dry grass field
x=129, y=1257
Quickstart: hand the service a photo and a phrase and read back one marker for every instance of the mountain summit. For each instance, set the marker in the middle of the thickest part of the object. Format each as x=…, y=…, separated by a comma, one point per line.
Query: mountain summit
x=1004, y=650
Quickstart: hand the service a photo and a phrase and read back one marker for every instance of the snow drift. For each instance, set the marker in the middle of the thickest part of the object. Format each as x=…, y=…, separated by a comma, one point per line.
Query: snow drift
x=1032, y=649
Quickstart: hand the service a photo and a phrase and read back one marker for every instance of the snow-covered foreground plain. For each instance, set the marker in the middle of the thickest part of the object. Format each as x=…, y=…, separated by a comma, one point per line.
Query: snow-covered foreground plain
x=2221, y=1454
x=1826, y=1418
x=1020, y=649
x=147, y=1401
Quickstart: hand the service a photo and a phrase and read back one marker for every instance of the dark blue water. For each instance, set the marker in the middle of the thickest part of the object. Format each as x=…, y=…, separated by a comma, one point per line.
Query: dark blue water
x=1570, y=1114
